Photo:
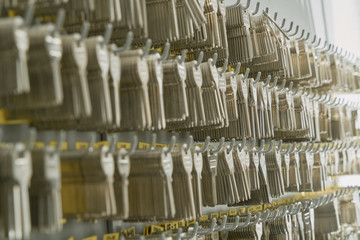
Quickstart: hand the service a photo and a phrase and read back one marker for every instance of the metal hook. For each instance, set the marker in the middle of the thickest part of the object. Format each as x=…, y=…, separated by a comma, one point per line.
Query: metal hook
x=267, y=10
x=290, y=27
x=297, y=209
x=165, y=53
x=298, y=149
x=60, y=18
x=112, y=139
x=206, y=145
x=222, y=226
x=128, y=42
x=221, y=144
x=134, y=145
x=261, y=147
x=270, y=148
x=31, y=140
x=181, y=58
x=189, y=143
x=302, y=35
x=147, y=48
x=278, y=147
x=171, y=145
x=193, y=233
x=232, y=145
x=293, y=148
x=233, y=226
x=307, y=36
x=296, y=32
x=283, y=23
x=283, y=213
x=326, y=147
x=251, y=148
x=199, y=60
x=266, y=216
x=247, y=4
x=209, y=230
x=274, y=83
x=275, y=15
x=247, y=221
x=314, y=40
x=256, y=8
x=267, y=83
x=314, y=95
x=296, y=91
x=318, y=98
x=306, y=146
x=242, y=145
x=107, y=34
x=257, y=219
x=237, y=69
x=246, y=75
x=318, y=44
x=309, y=149
x=29, y=14
x=178, y=233
x=224, y=67
x=84, y=31
x=282, y=86
x=290, y=87
x=273, y=217
x=257, y=79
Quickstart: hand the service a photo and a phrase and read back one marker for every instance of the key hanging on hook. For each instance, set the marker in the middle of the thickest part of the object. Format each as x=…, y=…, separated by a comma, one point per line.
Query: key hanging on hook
x=301, y=35
x=296, y=32
x=282, y=86
x=256, y=8
x=274, y=83
x=237, y=69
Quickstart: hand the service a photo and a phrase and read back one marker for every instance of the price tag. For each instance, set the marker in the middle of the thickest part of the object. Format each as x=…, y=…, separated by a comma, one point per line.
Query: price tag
x=181, y=223
x=223, y=214
x=190, y=222
x=71, y=238
x=128, y=233
x=232, y=212
x=64, y=145
x=214, y=215
x=101, y=144
x=143, y=145
x=120, y=145
x=242, y=210
x=203, y=218
x=81, y=145
x=255, y=208
x=111, y=236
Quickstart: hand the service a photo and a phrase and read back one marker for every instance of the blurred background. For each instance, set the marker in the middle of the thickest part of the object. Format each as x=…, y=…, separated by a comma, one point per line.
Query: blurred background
x=333, y=20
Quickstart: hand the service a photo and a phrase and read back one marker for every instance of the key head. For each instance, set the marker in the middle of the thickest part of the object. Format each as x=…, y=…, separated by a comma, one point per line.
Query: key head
x=123, y=163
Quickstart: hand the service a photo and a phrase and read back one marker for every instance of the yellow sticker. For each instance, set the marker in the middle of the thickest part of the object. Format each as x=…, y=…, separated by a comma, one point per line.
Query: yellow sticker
x=267, y=205
x=242, y=210
x=203, y=218
x=91, y=238
x=166, y=226
x=81, y=145
x=255, y=208
x=275, y=204
x=181, y=223
x=63, y=221
x=143, y=145
x=174, y=225
x=224, y=213
x=64, y=145
x=125, y=145
x=128, y=233
x=71, y=238
x=111, y=236
x=151, y=229
x=160, y=145
x=214, y=215
x=233, y=212
x=100, y=144
x=39, y=144
x=190, y=222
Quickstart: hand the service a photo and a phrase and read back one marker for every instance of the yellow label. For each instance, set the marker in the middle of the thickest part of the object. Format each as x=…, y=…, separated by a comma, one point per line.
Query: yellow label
x=297, y=198
x=224, y=213
x=203, y=218
x=100, y=144
x=151, y=229
x=166, y=226
x=242, y=210
x=255, y=208
x=91, y=238
x=128, y=233
x=214, y=215
x=275, y=204
x=125, y=145
x=160, y=145
x=266, y=206
x=181, y=223
x=81, y=145
x=71, y=238
x=143, y=145
x=284, y=201
x=111, y=236
x=39, y=144
x=190, y=222
x=64, y=145
x=63, y=221
x=232, y=212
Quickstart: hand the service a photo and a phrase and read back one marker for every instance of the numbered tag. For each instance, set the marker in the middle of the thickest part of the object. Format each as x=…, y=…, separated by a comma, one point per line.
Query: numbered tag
x=111, y=236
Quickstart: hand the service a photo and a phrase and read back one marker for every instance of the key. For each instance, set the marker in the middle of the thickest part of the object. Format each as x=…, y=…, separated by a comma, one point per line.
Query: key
x=45, y=191
x=15, y=176
x=121, y=183
x=13, y=50
x=152, y=183
x=134, y=94
x=114, y=85
x=182, y=185
x=196, y=179
x=98, y=69
x=209, y=172
x=155, y=88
